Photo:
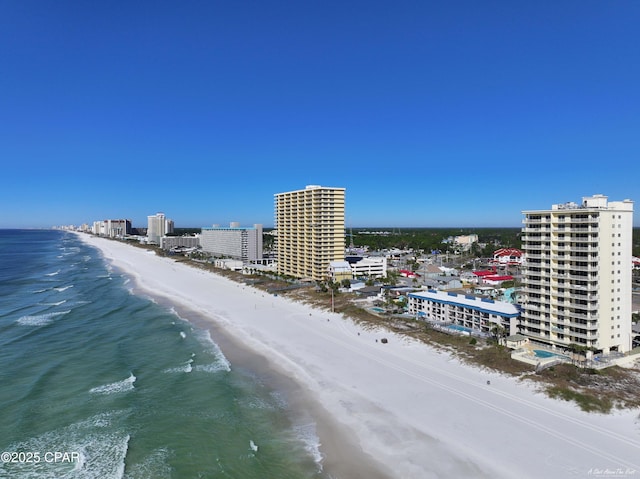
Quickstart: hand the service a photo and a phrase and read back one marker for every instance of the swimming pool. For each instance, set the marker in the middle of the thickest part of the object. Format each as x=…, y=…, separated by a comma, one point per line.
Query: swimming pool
x=377, y=310
x=541, y=353
x=460, y=329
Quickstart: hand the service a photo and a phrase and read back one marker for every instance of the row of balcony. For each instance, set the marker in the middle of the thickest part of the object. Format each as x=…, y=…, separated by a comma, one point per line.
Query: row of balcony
x=535, y=331
x=536, y=313
x=564, y=236
x=581, y=218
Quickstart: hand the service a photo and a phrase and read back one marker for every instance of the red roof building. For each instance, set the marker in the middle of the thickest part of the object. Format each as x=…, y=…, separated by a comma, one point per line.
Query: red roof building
x=508, y=256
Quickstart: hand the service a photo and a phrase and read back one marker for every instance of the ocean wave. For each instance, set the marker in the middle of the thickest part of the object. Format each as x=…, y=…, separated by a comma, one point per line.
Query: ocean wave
x=187, y=367
x=53, y=304
x=63, y=288
x=204, y=338
x=307, y=435
x=40, y=319
x=117, y=387
x=99, y=450
x=183, y=335
x=212, y=368
x=53, y=274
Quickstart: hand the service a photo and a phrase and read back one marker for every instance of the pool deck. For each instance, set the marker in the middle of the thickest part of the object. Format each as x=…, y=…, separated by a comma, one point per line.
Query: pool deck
x=526, y=354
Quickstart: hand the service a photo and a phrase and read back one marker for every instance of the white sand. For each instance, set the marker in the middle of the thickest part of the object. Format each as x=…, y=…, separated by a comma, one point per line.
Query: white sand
x=418, y=411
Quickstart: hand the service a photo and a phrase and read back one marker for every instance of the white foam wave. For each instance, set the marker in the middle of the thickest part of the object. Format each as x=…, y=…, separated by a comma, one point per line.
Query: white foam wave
x=307, y=434
x=98, y=445
x=182, y=335
x=40, y=319
x=40, y=290
x=53, y=274
x=53, y=304
x=253, y=446
x=63, y=288
x=187, y=367
x=205, y=339
x=117, y=387
x=212, y=368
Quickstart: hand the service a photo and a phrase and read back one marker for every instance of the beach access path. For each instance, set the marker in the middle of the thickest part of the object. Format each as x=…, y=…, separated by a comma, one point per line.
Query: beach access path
x=416, y=411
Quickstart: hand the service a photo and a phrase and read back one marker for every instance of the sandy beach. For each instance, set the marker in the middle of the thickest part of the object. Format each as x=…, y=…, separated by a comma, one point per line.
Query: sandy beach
x=400, y=409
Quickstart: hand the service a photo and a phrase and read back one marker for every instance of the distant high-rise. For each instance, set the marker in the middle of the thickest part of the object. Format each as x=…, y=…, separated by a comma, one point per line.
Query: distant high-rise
x=233, y=241
x=577, y=274
x=156, y=227
x=112, y=228
x=310, y=231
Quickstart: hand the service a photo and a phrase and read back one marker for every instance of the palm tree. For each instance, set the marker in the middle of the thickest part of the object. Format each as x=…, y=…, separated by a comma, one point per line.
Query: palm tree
x=498, y=332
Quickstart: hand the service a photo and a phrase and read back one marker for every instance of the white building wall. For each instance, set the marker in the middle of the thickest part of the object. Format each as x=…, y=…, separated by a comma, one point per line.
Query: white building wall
x=577, y=278
x=480, y=314
x=168, y=242
x=156, y=225
x=374, y=267
x=234, y=242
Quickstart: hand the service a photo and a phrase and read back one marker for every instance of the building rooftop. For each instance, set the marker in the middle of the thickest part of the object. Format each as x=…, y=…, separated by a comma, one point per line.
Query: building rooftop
x=469, y=301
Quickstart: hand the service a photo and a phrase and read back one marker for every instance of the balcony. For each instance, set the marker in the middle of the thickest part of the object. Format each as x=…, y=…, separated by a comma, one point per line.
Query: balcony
x=536, y=281
x=536, y=307
x=530, y=256
x=585, y=297
x=584, y=289
x=580, y=249
x=535, y=229
x=589, y=326
x=585, y=316
x=586, y=278
x=587, y=336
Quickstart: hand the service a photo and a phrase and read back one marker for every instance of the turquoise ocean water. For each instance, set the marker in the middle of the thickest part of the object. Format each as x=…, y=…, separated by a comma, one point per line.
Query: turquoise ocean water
x=124, y=385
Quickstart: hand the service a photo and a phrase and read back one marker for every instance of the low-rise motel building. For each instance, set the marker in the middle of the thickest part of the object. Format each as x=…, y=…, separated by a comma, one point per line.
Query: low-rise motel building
x=467, y=311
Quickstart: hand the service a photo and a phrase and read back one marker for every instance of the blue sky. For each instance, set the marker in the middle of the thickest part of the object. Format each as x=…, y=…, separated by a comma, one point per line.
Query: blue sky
x=429, y=113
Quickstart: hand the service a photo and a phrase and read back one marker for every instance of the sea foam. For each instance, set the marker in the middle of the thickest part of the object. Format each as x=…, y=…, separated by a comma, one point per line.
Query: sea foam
x=63, y=288
x=40, y=319
x=222, y=363
x=307, y=434
x=53, y=304
x=99, y=449
x=187, y=367
x=117, y=387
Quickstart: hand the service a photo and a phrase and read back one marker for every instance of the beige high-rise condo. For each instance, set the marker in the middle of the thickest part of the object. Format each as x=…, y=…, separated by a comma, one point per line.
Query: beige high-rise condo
x=577, y=274
x=310, y=231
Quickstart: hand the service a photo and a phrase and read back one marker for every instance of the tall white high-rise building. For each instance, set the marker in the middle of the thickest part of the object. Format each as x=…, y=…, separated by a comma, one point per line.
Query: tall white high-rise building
x=156, y=228
x=577, y=274
x=310, y=231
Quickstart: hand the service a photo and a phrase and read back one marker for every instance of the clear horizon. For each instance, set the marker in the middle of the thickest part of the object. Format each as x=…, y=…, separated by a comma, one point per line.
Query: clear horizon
x=430, y=114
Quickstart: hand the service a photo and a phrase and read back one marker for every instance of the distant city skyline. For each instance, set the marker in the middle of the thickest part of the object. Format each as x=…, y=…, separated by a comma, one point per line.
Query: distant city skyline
x=429, y=114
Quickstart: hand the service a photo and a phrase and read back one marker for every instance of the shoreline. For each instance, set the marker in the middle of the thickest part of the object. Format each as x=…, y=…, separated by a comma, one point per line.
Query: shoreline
x=341, y=455
x=406, y=409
